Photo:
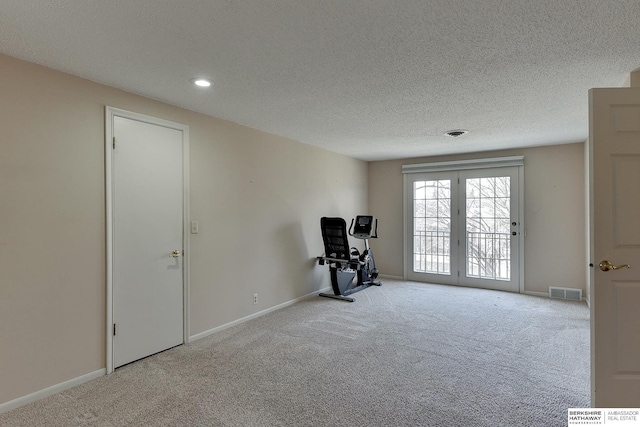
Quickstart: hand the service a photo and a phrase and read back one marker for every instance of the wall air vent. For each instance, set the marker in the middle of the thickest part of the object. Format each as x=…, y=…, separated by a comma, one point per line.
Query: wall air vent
x=571, y=294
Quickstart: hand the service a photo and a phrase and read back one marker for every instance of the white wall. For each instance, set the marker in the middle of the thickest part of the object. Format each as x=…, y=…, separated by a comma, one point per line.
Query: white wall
x=258, y=199
x=554, y=214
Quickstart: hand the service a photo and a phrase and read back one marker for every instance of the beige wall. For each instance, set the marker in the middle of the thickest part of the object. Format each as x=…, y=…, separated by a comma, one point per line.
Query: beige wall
x=258, y=199
x=554, y=204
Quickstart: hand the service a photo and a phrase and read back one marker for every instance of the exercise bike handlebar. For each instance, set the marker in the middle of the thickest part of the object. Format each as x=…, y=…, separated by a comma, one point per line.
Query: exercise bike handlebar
x=352, y=261
x=323, y=259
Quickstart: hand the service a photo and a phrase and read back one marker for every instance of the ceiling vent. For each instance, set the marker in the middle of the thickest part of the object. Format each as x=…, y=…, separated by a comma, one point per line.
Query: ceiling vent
x=456, y=133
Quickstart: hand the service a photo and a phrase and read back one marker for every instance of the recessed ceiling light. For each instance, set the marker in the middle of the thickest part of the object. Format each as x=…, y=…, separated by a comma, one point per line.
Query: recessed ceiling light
x=456, y=133
x=201, y=82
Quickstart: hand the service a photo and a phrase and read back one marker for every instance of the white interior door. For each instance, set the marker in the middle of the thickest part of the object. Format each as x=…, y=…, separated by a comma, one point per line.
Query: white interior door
x=147, y=238
x=614, y=157
x=464, y=227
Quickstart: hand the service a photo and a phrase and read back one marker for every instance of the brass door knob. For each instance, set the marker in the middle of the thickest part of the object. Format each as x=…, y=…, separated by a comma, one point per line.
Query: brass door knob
x=175, y=254
x=606, y=266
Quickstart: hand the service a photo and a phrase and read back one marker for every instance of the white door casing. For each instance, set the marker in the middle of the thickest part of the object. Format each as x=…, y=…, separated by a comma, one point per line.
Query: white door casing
x=614, y=222
x=147, y=211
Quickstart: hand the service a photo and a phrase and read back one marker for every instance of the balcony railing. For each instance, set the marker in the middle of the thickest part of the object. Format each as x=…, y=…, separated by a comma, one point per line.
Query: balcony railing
x=432, y=252
x=488, y=254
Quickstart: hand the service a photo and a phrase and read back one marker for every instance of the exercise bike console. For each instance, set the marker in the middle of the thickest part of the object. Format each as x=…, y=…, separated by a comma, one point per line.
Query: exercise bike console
x=364, y=227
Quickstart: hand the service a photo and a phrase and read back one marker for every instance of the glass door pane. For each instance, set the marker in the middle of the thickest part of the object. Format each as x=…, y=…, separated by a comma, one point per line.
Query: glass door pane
x=488, y=234
x=432, y=242
x=432, y=226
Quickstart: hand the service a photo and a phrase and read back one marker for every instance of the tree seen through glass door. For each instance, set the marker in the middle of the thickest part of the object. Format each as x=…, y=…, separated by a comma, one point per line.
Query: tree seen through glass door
x=488, y=229
x=432, y=226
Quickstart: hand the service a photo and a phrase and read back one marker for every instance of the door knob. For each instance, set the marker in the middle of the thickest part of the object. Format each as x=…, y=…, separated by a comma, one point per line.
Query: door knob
x=606, y=266
x=175, y=254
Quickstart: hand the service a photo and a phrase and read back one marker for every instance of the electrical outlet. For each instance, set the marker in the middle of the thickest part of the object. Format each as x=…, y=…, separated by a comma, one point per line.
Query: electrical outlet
x=255, y=299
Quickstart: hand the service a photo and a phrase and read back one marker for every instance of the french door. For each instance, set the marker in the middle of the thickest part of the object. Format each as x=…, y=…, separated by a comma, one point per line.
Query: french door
x=464, y=227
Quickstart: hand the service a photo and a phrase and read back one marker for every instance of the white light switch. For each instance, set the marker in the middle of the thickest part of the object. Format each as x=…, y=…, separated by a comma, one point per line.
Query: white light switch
x=194, y=227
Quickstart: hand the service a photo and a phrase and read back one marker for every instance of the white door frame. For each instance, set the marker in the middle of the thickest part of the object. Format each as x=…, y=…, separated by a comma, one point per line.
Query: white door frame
x=110, y=113
x=460, y=165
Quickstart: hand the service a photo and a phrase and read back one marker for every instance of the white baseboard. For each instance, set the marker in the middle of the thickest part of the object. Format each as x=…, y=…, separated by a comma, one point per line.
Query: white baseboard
x=537, y=294
x=390, y=277
x=546, y=295
x=21, y=401
x=254, y=316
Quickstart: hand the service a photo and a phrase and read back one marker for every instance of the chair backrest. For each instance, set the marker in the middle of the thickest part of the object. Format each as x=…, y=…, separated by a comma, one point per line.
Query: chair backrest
x=336, y=240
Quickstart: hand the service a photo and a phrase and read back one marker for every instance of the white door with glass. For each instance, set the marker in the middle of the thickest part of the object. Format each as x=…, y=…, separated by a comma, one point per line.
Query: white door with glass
x=464, y=227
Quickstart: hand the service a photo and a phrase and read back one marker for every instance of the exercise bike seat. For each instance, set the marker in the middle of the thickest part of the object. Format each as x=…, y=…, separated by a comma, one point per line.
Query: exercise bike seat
x=336, y=239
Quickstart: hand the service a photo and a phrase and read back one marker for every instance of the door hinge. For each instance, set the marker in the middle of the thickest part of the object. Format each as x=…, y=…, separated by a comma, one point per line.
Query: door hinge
x=114, y=142
x=114, y=329
x=458, y=274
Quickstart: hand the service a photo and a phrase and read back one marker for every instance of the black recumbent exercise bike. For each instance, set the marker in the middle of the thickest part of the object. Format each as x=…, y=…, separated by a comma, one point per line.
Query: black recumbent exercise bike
x=347, y=263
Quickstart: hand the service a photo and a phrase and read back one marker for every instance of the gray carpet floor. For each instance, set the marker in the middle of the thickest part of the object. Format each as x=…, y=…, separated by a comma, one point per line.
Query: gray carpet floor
x=404, y=354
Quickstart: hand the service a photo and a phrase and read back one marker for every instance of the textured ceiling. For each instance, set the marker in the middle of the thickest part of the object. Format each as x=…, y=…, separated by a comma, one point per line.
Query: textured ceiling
x=376, y=79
